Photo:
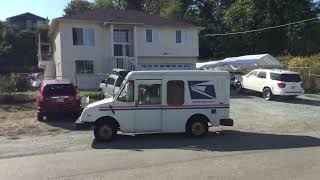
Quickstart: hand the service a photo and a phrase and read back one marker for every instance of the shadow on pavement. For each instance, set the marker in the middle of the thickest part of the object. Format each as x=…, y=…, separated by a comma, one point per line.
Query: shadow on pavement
x=298, y=101
x=64, y=122
x=226, y=140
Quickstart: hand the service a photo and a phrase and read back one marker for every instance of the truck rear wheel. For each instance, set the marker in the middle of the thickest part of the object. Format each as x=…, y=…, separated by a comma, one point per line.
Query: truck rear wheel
x=104, y=131
x=197, y=128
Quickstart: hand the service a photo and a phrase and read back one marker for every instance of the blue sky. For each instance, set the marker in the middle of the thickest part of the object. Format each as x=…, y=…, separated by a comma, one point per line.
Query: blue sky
x=43, y=8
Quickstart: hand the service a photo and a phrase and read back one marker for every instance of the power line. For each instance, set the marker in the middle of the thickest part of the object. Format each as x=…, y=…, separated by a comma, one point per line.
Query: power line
x=263, y=29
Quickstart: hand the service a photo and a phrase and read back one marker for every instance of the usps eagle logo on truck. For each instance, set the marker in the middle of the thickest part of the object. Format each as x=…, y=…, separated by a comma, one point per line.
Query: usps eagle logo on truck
x=202, y=89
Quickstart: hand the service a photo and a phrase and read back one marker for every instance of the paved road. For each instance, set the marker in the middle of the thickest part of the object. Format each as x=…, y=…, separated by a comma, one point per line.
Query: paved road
x=285, y=157
x=271, y=140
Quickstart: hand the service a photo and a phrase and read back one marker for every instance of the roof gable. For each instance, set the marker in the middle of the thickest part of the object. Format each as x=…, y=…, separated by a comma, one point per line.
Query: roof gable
x=26, y=16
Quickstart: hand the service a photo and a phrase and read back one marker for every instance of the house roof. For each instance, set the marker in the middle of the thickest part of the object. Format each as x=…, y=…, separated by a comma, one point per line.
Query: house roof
x=25, y=16
x=126, y=16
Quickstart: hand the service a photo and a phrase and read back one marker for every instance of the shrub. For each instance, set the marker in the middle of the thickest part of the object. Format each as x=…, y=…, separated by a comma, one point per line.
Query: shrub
x=12, y=83
x=311, y=64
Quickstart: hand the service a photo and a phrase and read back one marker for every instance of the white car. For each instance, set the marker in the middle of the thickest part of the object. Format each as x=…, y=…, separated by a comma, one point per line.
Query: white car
x=271, y=82
x=110, y=86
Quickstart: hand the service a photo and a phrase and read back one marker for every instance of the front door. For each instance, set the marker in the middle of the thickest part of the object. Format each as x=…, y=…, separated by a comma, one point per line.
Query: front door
x=148, y=105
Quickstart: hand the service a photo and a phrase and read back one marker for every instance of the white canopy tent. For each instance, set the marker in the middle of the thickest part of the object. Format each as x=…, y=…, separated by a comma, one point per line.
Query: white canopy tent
x=258, y=61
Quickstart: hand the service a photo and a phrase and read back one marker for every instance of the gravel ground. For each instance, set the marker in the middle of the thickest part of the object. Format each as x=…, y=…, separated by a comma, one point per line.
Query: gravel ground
x=19, y=121
x=254, y=117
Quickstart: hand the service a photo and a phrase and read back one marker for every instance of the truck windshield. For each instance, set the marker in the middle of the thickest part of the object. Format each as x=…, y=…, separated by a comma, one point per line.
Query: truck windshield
x=285, y=77
x=59, y=90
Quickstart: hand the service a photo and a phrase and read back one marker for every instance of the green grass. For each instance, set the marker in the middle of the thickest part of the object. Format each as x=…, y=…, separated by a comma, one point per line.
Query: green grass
x=91, y=94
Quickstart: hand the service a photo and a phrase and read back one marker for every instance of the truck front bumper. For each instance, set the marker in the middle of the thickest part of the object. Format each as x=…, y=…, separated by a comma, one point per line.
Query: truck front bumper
x=226, y=122
x=83, y=125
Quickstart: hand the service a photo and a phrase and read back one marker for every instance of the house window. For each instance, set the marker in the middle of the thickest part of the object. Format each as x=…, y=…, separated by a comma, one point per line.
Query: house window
x=83, y=36
x=175, y=93
x=121, y=50
x=181, y=36
x=152, y=35
x=148, y=35
x=84, y=67
x=121, y=35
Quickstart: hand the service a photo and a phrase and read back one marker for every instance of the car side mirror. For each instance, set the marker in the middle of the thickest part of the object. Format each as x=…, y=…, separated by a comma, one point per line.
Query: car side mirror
x=103, y=81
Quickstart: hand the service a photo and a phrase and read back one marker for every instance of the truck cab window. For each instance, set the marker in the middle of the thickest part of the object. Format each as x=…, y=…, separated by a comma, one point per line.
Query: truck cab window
x=175, y=93
x=149, y=94
x=127, y=94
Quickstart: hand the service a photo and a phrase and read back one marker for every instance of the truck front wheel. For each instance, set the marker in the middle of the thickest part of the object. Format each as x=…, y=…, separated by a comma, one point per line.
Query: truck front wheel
x=104, y=131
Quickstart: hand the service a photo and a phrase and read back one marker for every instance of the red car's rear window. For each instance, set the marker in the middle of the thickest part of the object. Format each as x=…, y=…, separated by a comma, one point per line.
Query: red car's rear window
x=59, y=90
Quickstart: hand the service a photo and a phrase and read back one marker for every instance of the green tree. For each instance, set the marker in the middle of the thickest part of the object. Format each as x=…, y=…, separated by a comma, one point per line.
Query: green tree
x=18, y=50
x=77, y=6
x=156, y=6
x=247, y=15
x=103, y=4
x=174, y=10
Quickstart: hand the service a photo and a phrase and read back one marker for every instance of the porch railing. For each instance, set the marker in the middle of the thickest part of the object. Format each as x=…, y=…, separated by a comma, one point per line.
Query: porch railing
x=124, y=62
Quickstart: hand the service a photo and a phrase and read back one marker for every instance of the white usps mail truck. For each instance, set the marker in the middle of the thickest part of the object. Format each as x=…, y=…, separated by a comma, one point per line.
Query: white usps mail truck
x=162, y=102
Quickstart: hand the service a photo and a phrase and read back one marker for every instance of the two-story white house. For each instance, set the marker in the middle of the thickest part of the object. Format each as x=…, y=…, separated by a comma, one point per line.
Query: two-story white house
x=97, y=41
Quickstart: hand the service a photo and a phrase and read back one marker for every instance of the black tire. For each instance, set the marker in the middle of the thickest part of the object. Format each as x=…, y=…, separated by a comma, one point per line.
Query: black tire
x=238, y=88
x=197, y=127
x=104, y=131
x=40, y=116
x=267, y=94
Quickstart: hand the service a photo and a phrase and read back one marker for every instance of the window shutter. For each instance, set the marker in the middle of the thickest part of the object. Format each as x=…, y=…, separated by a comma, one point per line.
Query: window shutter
x=178, y=36
x=156, y=36
x=184, y=36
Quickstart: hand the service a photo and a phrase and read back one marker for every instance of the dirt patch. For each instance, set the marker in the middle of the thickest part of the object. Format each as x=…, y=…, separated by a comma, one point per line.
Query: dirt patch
x=18, y=120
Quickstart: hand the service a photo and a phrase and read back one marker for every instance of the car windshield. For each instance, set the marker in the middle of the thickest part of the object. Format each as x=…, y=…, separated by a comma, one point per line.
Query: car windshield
x=285, y=77
x=59, y=90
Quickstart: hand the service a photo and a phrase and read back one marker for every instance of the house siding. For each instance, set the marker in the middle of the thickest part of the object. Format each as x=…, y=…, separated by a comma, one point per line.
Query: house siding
x=167, y=46
x=57, y=54
x=165, y=51
x=99, y=53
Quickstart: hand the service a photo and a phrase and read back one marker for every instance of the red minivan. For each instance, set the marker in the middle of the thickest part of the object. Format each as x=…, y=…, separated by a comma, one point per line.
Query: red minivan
x=56, y=97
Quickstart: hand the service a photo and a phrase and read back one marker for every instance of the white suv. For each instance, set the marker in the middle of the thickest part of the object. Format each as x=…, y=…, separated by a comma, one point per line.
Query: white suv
x=271, y=82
